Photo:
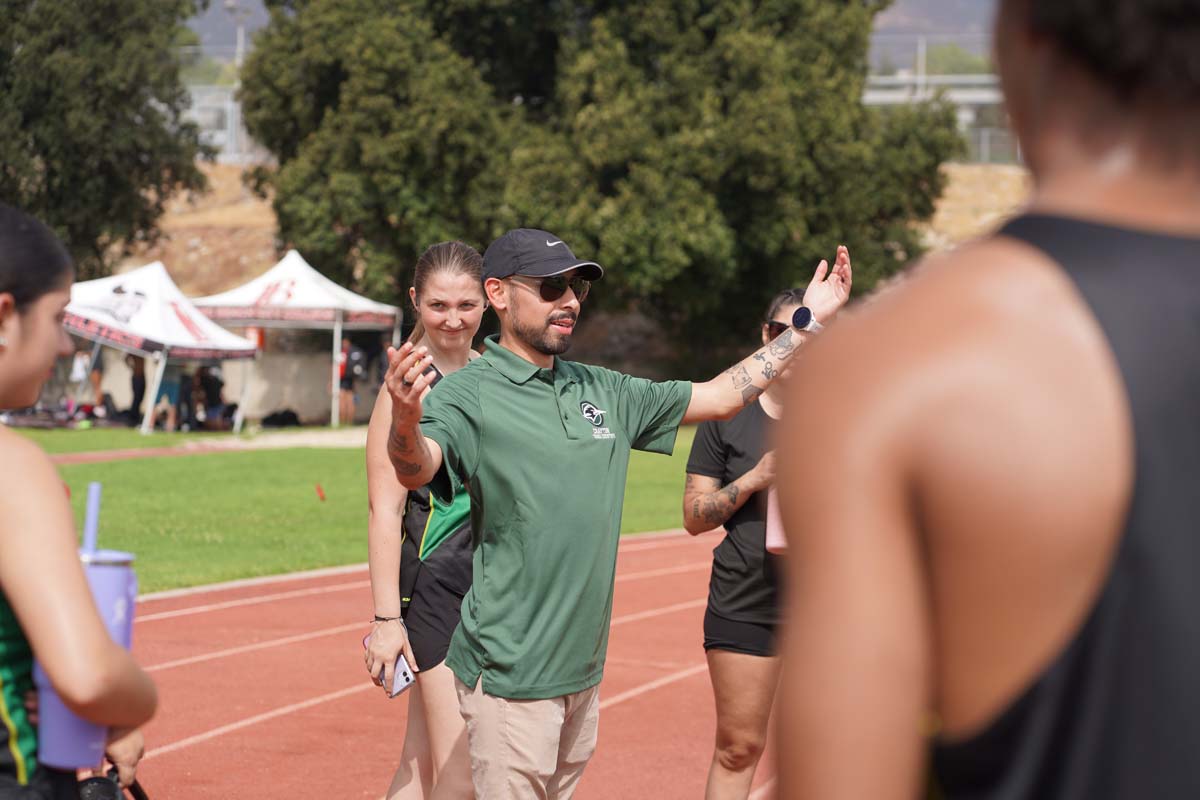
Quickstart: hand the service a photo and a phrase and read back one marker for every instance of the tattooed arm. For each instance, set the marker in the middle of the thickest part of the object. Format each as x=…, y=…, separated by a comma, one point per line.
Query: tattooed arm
x=707, y=504
x=414, y=457
x=741, y=384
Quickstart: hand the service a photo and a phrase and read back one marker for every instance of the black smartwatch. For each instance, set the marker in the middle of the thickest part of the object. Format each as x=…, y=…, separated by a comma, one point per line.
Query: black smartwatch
x=803, y=319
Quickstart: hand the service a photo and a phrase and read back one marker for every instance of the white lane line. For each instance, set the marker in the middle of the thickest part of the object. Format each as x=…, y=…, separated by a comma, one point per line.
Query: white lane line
x=354, y=626
x=246, y=582
x=641, y=663
x=288, y=709
x=654, y=573
x=341, y=587
x=245, y=723
x=652, y=541
x=250, y=648
x=658, y=612
x=637, y=691
x=629, y=543
x=292, y=708
x=763, y=792
x=641, y=547
x=249, y=601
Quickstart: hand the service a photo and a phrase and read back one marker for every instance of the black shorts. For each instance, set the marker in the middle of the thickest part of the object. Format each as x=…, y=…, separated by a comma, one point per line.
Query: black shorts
x=47, y=784
x=430, y=618
x=751, y=638
x=347, y=384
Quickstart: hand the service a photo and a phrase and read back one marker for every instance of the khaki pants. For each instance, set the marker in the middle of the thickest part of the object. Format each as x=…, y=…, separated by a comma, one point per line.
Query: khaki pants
x=528, y=749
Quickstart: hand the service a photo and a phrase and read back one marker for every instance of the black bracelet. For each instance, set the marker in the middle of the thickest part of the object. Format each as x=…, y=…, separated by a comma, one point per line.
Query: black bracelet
x=385, y=619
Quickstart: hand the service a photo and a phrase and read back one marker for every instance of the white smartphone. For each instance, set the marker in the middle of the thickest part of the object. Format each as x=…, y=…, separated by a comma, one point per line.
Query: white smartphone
x=402, y=678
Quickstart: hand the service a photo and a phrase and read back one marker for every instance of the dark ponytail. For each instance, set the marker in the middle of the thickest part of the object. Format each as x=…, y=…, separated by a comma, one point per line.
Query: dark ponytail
x=784, y=298
x=32, y=259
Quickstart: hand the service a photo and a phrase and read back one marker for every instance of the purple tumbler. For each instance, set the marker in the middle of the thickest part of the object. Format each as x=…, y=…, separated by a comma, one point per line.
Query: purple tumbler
x=64, y=740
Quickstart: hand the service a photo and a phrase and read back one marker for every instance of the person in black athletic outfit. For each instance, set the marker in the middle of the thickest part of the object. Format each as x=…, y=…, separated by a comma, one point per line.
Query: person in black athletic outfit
x=729, y=470
x=994, y=586
x=420, y=551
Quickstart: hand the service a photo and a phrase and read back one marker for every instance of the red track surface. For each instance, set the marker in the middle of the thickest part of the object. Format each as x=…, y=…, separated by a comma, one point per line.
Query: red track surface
x=263, y=693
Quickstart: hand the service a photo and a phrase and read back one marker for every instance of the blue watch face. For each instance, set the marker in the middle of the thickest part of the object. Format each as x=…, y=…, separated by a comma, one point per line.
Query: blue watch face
x=802, y=317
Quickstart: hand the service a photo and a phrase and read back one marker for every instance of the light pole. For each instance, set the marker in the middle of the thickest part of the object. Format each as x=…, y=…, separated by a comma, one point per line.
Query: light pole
x=233, y=116
x=239, y=15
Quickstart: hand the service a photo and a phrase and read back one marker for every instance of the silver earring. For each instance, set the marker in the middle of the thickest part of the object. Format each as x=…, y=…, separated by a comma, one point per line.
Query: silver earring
x=3, y=341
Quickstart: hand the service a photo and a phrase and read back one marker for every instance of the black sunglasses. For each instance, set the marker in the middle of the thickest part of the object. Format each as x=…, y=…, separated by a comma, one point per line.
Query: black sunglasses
x=555, y=286
x=776, y=329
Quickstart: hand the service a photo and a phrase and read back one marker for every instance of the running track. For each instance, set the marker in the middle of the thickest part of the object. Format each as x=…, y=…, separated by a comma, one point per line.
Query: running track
x=263, y=693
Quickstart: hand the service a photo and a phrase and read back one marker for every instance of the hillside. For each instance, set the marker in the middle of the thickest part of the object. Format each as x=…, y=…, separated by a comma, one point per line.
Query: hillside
x=217, y=240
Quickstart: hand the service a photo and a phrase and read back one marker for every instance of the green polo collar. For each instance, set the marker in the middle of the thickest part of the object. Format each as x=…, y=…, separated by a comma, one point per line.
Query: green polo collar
x=508, y=363
x=517, y=369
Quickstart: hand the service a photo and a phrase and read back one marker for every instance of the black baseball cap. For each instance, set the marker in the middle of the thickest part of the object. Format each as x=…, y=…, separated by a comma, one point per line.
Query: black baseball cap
x=538, y=254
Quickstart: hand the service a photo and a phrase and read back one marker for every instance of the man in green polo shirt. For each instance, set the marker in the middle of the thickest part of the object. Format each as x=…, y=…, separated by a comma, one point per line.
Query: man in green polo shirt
x=542, y=447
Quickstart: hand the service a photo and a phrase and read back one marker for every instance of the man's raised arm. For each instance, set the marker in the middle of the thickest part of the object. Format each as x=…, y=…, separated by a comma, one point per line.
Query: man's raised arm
x=740, y=385
x=415, y=458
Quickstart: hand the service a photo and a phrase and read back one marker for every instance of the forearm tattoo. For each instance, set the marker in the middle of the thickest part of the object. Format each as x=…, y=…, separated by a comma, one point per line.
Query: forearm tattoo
x=740, y=375
x=400, y=452
x=782, y=345
x=769, y=362
x=715, y=508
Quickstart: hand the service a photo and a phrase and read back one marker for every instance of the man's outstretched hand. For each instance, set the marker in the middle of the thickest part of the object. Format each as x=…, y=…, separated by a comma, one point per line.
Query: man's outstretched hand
x=829, y=290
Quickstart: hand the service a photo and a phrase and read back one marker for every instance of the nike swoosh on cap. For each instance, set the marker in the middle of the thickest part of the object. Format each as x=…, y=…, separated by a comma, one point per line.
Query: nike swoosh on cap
x=552, y=244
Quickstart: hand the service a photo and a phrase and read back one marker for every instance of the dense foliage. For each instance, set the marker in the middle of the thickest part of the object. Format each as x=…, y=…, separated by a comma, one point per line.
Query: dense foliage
x=92, y=135
x=707, y=152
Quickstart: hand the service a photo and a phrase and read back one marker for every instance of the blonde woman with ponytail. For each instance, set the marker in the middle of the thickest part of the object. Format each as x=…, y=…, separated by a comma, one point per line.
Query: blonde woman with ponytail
x=419, y=553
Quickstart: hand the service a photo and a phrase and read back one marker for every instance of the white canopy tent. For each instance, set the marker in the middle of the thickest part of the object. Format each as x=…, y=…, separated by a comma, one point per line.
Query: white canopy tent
x=292, y=294
x=143, y=312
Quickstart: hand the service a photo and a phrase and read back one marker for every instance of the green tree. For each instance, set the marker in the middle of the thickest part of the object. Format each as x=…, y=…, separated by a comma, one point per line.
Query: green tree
x=387, y=139
x=92, y=135
x=708, y=152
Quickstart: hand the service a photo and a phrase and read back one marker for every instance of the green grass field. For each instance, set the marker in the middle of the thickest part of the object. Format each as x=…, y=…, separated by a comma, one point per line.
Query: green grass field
x=61, y=440
x=215, y=517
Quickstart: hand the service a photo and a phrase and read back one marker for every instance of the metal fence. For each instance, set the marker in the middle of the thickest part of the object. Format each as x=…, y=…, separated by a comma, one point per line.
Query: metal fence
x=219, y=114
x=929, y=54
x=992, y=146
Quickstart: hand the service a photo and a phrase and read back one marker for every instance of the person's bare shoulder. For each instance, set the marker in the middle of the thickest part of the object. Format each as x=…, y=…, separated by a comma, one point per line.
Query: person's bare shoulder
x=26, y=472
x=21, y=455
x=990, y=321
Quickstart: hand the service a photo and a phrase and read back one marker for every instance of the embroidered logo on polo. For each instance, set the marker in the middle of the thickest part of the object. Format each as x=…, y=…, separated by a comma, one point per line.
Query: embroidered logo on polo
x=596, y=417
x=592, y=414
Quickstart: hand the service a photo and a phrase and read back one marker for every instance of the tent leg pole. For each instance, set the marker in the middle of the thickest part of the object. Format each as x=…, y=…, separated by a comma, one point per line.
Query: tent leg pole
x=336, y=390
x=240, y=417
x=83, y=384
x=152, y=403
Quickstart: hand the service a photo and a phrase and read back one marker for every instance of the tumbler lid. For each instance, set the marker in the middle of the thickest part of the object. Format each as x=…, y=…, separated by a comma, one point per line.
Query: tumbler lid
x=106, y=558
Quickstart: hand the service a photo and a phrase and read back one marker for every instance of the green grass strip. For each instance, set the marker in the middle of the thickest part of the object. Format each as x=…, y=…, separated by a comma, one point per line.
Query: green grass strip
x=205, y=518
x=69, y=440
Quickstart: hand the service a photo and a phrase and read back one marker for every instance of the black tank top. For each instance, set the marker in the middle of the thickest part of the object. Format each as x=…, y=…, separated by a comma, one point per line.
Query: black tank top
x=1117, y=714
